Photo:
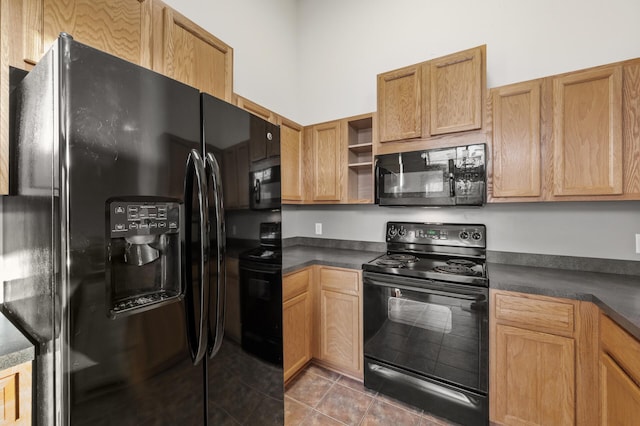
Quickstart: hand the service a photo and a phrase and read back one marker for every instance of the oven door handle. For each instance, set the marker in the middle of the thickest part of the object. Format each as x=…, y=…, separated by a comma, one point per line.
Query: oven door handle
x=427, y=287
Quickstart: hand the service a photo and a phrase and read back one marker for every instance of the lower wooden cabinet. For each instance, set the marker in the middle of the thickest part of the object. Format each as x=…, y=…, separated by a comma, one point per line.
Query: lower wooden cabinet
x=322, y=320
x=15, y=395
x=341, y=319
x=619, y=375
x=297, y=325
x=543, y=360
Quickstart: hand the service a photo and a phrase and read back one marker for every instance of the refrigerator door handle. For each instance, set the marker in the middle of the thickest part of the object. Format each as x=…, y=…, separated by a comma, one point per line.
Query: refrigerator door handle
x=198, y=340
x=213, y=170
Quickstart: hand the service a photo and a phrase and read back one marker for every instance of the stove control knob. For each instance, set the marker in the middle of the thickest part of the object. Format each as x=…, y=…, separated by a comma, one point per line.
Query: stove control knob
x=402, y=232
x=464, y=235
x=392, y=232
x=476, y=236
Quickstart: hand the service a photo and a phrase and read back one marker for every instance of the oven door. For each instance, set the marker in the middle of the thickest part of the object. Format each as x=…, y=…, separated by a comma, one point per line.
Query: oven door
x=416, y=178
x=426, y=343
x=434, y=329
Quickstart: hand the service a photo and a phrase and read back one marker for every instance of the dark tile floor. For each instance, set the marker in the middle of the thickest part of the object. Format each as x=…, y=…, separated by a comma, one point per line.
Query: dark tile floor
x=321, y=397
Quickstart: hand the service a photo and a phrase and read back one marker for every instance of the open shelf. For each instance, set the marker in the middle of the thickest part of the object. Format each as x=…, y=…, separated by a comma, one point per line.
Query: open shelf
x=360, y=159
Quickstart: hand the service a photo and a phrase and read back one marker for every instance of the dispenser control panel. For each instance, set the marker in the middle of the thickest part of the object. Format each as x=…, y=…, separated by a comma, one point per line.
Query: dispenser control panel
x=128, y=218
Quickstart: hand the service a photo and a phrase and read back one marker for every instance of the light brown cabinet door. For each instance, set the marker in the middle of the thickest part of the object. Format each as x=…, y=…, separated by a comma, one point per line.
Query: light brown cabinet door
x=327, y=162
x=516, y=140
x=291, y=161
x=587, y=132
x=119, y=27
x=15, y=395
x=456, y=92
x=536, y=381
x=296, y=333
x=619, y=395
x=195, y=57
x=400, y=104
x=340, y=330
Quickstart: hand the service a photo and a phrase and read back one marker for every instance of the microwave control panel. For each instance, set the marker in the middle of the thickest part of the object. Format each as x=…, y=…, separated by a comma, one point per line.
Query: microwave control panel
x=129, y=218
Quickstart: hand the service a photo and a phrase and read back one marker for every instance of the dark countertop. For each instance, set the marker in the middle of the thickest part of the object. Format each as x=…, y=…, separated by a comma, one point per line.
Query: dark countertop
x=298, y=257
x=618, y=295
x=15, y=349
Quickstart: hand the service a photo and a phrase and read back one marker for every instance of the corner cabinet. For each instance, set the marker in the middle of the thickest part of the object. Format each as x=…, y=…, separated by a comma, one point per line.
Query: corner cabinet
x=15, y=395
x=619, y=375
x=297, y=316
x=542, y=360
x=186, y=52
x=340, y=325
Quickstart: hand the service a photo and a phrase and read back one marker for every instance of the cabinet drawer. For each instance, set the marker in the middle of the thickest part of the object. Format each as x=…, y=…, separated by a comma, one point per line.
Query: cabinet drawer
x=621, y=346
x=340, y=280
x=295, y=284
x=535, y=312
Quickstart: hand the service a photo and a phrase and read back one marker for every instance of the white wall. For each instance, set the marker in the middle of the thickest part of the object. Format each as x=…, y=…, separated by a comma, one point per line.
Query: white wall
x=345, y=44
x=263, y=35
x=316, y=60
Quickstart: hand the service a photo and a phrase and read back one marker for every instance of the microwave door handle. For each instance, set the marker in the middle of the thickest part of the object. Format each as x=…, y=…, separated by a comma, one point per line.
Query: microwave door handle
x=256, y=189
x=452, y=183
x=218, y=332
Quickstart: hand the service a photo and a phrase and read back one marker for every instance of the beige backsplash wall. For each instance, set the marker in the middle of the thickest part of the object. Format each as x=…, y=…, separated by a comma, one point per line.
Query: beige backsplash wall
x=601, y=230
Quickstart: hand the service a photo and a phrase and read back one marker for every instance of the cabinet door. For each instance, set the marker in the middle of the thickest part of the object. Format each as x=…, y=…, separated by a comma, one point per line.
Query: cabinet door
x=536, y=381
x=400, y=104
x=296, y=332
x=516, y=140
x=291, y=159
x=619, y=395
x=340, y=330
x=456, y=92
x=119, y=27
x=193, y=56
x=15, y=395
x=327, y=161
x=587, y=132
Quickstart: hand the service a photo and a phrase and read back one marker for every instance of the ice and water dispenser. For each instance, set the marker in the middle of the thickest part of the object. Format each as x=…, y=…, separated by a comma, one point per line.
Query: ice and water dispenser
x=143, y=253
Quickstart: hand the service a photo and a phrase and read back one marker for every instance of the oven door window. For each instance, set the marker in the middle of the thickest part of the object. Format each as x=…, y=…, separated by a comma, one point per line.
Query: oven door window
x=434, y=334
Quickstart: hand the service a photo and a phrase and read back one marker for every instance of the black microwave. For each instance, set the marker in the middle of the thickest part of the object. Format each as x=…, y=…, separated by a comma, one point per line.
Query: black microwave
x=453, y=176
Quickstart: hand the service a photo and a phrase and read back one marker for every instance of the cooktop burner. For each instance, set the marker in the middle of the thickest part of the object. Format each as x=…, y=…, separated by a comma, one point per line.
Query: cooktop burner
x=390, y=263
x=402, y=257
x=461, y=262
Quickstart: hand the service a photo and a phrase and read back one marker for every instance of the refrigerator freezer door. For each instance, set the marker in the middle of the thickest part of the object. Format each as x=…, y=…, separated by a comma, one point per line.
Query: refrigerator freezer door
x=125, y=131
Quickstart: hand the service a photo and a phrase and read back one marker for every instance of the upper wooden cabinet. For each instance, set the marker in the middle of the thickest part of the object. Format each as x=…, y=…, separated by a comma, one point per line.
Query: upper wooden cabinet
x=326, y=161
x=516, y=140
x=256, y=109
x=570, y=137
x=400, y=103
x=587, y=132
x=456, y=84
x=291, y=161
x=188, y=53
x=119, y=27
x=437, y=97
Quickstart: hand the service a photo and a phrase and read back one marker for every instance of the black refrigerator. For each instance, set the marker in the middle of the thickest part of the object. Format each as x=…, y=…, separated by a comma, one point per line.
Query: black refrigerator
x=117, y=229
